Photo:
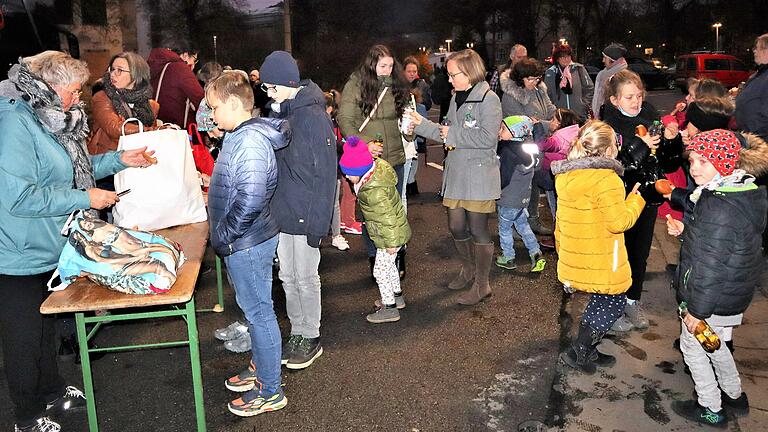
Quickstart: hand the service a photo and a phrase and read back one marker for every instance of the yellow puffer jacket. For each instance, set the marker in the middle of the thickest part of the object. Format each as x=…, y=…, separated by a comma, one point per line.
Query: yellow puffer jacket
x=592, y=215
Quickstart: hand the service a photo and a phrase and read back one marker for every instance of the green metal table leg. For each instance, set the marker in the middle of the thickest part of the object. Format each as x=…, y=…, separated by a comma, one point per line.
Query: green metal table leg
x=194, y=355
x=219, y=307
x=90, y=401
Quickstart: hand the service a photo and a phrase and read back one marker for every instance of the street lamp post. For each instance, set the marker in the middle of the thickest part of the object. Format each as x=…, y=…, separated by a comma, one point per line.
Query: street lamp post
x=448, y=41
x=717, y=26
x=215, y=52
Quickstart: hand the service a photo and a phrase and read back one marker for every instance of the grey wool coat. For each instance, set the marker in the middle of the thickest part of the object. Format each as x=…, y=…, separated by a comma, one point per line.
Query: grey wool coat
x=471, y=170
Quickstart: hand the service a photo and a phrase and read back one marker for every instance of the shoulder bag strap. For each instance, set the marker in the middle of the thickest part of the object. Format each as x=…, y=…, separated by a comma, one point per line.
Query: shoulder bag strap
x=160, y=83
x=373, y=111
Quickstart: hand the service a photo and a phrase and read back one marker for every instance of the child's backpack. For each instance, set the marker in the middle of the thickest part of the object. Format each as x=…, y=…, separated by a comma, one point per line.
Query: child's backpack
x=128, y=261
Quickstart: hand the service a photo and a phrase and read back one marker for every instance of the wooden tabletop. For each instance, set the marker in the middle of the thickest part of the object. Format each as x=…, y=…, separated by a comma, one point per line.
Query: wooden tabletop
x=85, y=295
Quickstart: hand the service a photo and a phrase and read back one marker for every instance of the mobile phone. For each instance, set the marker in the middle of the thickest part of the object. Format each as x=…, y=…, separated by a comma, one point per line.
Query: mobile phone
x=123, y=192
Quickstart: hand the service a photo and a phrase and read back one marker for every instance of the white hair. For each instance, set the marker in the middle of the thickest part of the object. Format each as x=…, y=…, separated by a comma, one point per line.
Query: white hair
x=58, y=68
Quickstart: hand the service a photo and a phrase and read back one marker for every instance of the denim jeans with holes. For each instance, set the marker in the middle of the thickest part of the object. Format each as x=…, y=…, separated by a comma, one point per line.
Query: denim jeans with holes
x=250, y=271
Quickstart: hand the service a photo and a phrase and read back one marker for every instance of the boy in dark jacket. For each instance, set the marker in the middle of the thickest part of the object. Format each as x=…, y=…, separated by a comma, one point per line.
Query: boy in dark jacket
x=519, y=158
x=375, y=185
x=244, y=232
x=720, y=263
x=303, y=203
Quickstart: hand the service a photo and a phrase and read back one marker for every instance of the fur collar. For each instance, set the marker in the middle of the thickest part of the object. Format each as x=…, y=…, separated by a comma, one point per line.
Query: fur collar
x=521, y=94
x=563, y=166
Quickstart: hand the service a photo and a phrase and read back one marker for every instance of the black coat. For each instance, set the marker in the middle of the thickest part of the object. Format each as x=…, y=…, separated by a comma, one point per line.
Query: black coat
x=752, y=104
x=635, y=156
x=720, y=260
x=306, y=186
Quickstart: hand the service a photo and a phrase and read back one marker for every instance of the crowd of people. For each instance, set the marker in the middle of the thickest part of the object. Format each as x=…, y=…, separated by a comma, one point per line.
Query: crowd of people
x=294, y=162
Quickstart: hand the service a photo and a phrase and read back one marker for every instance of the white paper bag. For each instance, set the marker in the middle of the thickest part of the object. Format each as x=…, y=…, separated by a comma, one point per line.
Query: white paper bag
x=162, y=195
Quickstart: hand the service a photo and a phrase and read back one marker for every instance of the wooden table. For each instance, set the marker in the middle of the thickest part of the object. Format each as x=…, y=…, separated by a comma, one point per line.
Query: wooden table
x=84, y=296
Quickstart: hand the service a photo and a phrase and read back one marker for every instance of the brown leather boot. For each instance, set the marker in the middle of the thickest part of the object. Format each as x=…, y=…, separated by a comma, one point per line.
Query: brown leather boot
x=481, y=288
x=467, y=257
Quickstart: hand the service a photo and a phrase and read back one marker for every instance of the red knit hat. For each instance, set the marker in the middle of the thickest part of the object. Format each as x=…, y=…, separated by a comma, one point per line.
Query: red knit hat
x=721, y=148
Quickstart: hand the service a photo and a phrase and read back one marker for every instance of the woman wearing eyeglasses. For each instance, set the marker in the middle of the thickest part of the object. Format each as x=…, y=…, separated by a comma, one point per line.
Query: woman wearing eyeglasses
x=126, y=94
x=525, y=94
x=45, y=174
x=471, y=177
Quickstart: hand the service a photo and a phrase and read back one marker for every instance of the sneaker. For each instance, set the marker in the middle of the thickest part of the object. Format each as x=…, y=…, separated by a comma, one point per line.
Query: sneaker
x=537, y=263
x=239, y=345
x=691, y=410
x=306, y=352
x=506, y=262
x=288, y=347
x=738, y=407
x=340, y=243
x=622, y=325
x=635, y=314
x=244, y=381
x=233, y=331
x=255, y=403
x=384, y=315
x=356, y=228
x=72, y=399
x=399, y=302
x=43, y=424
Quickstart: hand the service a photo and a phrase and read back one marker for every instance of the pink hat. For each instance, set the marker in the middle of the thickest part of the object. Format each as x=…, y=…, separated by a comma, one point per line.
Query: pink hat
x=356, y=159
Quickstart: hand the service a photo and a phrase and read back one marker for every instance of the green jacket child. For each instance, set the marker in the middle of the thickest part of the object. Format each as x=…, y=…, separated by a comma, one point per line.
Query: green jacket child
x=375, y=185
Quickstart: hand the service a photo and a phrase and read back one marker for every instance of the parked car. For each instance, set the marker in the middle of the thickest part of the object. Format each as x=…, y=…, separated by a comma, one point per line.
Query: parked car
x=652, y=76
x=705, y=64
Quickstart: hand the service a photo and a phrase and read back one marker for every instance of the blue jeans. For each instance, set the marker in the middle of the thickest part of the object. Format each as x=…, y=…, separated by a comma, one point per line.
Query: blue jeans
x=515, y=218
x=251, y=272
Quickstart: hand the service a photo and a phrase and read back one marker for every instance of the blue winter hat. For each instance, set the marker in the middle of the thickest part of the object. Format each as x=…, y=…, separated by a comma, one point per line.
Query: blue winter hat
x=520, y=127
x=280, y=68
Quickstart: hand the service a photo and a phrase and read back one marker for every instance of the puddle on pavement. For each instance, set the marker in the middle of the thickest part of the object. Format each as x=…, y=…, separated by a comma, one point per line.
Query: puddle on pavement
x=631, y=349
x=666, y=367
x=651, y=336
x=753, y=364
x=652, y=405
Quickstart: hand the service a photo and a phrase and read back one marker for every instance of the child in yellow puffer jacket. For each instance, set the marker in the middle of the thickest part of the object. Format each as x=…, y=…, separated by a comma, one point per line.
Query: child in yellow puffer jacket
x=592, y=215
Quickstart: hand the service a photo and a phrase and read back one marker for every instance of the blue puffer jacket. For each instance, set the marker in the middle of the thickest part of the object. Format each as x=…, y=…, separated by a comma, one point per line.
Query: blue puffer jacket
x=303, y=203
x=243, y=182
x=36, y=191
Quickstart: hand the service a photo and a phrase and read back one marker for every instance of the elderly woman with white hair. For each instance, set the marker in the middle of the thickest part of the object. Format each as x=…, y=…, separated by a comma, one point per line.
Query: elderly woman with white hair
x=45, y=174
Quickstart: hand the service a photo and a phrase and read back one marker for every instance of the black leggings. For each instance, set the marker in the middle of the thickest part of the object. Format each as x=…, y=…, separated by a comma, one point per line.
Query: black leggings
x=463, y=224
x=29, y=345
x=638, y=241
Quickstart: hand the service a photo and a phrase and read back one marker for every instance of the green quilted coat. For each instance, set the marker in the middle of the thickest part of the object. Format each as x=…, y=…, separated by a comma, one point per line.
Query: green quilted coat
x=383, y=208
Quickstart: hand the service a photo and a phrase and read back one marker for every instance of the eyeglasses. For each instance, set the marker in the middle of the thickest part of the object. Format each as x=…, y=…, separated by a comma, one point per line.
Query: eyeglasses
x=75, y=94
x=455, y=75
x=268, y=89
x=118, y=71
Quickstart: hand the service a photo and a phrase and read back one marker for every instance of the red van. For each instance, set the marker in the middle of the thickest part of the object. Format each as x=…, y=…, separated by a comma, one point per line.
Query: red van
x=705, y=64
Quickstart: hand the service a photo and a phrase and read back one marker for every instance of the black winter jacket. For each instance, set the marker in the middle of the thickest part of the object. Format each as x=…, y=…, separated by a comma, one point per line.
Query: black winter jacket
x=720, y=260
x=635, y=156
x=752, y=104
x=242, y=184
x=303, y=201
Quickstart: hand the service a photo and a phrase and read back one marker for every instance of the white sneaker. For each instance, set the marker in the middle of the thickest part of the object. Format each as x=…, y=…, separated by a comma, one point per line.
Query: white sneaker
x=340, y=243
x=235, y=330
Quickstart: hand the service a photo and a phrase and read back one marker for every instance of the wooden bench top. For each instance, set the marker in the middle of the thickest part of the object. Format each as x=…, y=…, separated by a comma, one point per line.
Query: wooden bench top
x=84, y=295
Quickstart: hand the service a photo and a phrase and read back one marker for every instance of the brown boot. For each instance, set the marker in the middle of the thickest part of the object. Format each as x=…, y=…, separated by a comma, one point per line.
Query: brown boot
x=481, y=288
x=467, y=257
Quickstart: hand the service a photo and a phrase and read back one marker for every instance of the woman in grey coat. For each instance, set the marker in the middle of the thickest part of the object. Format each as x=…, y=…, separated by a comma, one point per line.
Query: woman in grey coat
x=525, y=94
x=471, y=180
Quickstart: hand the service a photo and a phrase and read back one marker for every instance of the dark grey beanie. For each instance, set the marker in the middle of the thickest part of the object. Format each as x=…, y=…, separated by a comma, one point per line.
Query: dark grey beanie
x=281, y=69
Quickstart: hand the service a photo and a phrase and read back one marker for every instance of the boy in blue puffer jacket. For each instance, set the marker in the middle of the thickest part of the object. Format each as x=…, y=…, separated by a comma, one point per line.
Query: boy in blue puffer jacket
x=244, y=232
x=519, y=158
